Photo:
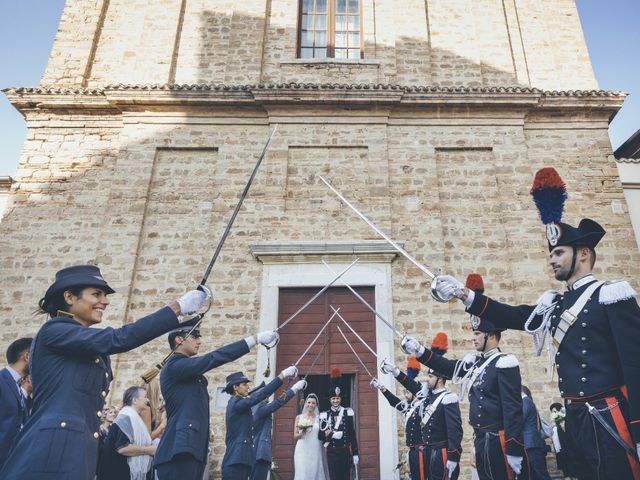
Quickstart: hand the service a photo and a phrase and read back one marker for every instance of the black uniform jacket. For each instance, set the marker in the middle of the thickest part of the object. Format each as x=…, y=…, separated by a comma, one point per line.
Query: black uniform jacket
x=346, y=425
x=494, y=398
x=444, y=427
x=599, y=352
x=71, y=371
x=239, y=421
x=184, y=388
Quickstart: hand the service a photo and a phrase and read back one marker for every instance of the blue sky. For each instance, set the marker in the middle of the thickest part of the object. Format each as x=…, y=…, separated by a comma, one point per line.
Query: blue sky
x=28, y=27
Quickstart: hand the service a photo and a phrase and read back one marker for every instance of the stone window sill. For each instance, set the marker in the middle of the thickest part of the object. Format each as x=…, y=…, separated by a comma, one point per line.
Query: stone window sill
x=329, y=62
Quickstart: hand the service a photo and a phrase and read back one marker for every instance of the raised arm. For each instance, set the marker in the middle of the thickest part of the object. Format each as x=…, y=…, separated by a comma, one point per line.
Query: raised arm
x=69, y=336
x=191, y=367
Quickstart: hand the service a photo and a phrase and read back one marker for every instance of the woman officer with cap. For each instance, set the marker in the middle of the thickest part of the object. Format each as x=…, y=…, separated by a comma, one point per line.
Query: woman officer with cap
x=71, y=373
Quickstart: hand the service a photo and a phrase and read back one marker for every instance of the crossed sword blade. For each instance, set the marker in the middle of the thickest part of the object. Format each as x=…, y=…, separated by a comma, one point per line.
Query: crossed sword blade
x=311, y=300
x=316, y=337
x=354, y=352
x=359, y=297
x=354, y=332
x=399, y=249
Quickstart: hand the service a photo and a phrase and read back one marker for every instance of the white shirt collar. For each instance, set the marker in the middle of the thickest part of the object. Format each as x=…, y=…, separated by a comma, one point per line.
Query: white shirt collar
x=438, y=390
x=16, y=376
x=490, y=352
x=336, y=409
x=582, y=281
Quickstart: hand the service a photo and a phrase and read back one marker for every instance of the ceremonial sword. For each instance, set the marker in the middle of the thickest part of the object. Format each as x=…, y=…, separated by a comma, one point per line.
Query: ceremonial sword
x=316, y=338
x=355, y=333
x=598, y=416
x=425, y=270
x=153, y=372
x=359, y=297
x=354, y=352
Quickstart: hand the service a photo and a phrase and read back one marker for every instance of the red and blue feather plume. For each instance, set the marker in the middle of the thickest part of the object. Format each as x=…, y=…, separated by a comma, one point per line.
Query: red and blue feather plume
x=549, y=193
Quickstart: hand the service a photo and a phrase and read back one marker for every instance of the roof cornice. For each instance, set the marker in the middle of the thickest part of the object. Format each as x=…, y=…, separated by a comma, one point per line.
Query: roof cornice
x=124, y=96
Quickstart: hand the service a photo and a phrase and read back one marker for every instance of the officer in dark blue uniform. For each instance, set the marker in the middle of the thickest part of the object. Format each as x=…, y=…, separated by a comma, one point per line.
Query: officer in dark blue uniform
x=71, y=371
x=239, y=456
x=593, y=328
x=533, y=442
x=182, y=452
x=411, y=409
x=14, y=410
x=337, y=431
x=495, y=412
x=262, y=424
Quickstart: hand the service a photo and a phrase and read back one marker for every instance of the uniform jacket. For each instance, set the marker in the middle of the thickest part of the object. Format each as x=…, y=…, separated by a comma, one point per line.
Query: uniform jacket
x=413, y=429
x=531, y=430
x=262, y=424
x=494, y=398
x=71, y=371
x=239, y=421
x=13, y=414
x=599, y=352
x=184, y=389
x=346, y=425
x=444, y=427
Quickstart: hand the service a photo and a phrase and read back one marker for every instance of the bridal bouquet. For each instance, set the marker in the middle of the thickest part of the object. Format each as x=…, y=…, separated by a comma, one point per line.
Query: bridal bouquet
x=304, y=424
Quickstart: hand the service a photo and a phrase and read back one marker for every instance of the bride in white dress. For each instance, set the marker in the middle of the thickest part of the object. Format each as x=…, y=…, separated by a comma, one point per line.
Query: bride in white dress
x=308, y=455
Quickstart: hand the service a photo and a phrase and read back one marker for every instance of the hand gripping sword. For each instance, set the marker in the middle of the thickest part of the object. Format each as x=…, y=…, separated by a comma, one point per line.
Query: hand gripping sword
x=153, y=372
x=434, y=278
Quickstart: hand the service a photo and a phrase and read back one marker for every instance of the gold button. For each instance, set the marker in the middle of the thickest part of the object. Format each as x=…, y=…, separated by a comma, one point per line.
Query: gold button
x=103, y=393
x=63, y=424
x=96, y=435
x=97, y=360
x=99, y=414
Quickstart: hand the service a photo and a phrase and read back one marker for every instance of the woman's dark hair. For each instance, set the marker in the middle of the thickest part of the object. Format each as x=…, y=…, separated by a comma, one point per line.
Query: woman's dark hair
x=50, y=304
x=130, y=394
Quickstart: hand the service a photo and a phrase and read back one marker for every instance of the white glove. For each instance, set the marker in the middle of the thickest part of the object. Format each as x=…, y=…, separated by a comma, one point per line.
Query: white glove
x=638, y=448
x=411, y=346
x=451, y=466
x=289, y=372
x=356, y=459
x=268, y=337
x=193, y=301
x=448, y=287
x=337, y=435
x=388, y=367
x=376, y=384
x=299, y=386
x=515, y=463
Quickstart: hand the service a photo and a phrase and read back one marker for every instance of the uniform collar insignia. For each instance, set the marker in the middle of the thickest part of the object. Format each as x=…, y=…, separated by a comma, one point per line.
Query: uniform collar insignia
x=581, y=282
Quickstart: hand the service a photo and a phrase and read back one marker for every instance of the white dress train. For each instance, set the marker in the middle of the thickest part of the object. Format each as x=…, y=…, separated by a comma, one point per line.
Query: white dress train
x=308, y=458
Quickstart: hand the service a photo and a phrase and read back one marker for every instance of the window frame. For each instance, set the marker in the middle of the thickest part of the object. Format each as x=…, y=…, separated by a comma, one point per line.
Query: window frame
x=331, y=32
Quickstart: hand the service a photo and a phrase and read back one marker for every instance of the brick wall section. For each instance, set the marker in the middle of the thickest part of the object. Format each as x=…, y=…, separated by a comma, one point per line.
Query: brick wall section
x=437, y=42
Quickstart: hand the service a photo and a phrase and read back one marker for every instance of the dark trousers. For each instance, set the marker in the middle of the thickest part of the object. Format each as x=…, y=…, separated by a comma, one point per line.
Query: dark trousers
x=599, y=455
x=234, y=472
x=260, y=470
x=437, y=464
x=183, y=466
x=418, y=462
x=339, y=462
x=491, y=458
x=538, y=463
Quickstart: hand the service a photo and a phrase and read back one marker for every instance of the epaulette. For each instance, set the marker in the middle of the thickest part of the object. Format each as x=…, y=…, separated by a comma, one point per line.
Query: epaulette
x=616, y=291
x=470, y=358
x=507, y=361
x=547, y=298
x=350, y=412
x=450, y=398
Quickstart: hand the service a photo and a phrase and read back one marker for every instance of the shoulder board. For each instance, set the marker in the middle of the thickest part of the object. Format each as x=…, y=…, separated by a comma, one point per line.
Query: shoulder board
x=547, y=298
x=470, y=358
x=507, y=361
x=450, y=398
x=616, y=291
x=349, y=412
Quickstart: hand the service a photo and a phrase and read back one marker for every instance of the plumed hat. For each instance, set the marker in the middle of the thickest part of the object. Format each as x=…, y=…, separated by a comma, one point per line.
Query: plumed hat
x=440, y=345
x=549, y=193
x=413, y=367
x=335, y=383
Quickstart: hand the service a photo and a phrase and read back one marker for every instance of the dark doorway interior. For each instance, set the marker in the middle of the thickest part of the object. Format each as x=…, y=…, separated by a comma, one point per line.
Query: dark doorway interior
x=319, y=384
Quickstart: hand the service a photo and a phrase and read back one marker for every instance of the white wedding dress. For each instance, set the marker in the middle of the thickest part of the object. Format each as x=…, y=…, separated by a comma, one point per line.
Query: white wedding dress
x=308, y=458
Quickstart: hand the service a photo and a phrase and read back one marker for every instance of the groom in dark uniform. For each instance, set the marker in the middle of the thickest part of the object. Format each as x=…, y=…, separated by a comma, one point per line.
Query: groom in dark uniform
x=337, y=431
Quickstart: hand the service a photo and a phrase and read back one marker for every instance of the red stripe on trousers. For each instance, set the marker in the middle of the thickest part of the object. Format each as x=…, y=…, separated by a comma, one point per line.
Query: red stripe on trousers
x=504, y=454
x=623, y=431
x=421, y=462
x=444, y=462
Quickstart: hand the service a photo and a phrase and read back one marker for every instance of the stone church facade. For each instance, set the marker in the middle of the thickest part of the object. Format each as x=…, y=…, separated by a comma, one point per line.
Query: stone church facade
x=431, y=115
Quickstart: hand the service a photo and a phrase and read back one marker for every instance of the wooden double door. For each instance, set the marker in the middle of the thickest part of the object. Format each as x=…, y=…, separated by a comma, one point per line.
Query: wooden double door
x=330, y=350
